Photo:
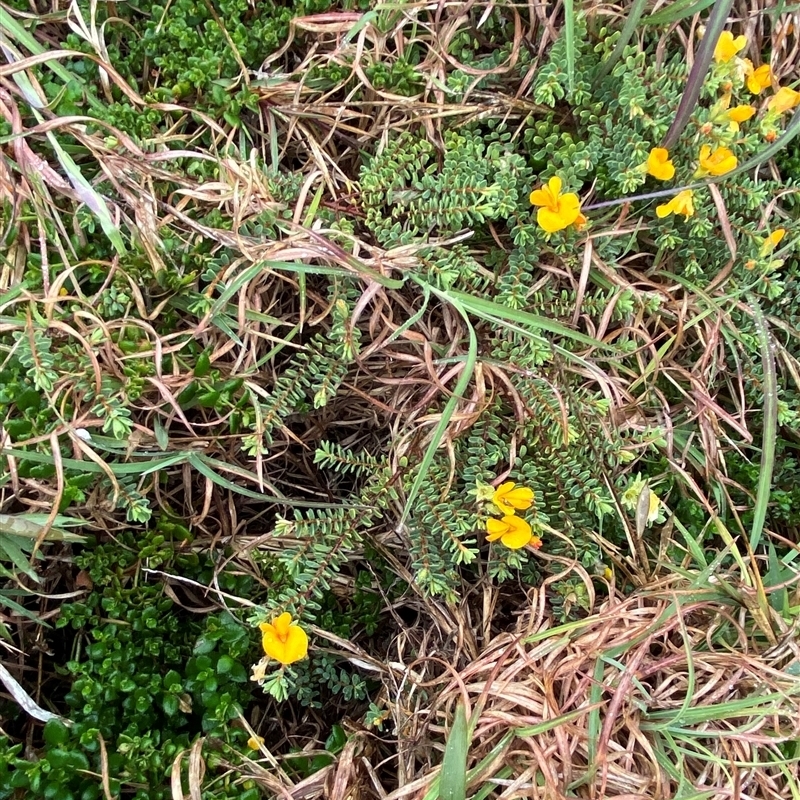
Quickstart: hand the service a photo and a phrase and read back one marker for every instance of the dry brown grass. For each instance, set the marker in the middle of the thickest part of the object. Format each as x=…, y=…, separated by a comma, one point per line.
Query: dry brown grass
x=667, y=693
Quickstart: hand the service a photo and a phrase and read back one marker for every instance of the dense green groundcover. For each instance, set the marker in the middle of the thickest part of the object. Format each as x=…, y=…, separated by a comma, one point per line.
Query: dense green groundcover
x=140, y=667
x=147, y=677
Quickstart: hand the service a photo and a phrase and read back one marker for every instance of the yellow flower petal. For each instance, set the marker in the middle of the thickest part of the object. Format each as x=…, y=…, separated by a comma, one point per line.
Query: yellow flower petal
x=741, y=113
x=569, y=206
x=716, y=162
x=508, y=498
x=783, y=100
x=551, y=221
x=495, y=528
x=541, y=197
x=728, y=46
x=769, y=243
x=518, y=537
x=255, y=742
x=554, y=185
x=283, y=623
x=659, y=165
x=557, y=211
x=513, y=532
x=682, y=203
x=283, y=640
x=759, y=79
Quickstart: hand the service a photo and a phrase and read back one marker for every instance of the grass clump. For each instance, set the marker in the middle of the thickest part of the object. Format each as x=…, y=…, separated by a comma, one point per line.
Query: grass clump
x=287, y=295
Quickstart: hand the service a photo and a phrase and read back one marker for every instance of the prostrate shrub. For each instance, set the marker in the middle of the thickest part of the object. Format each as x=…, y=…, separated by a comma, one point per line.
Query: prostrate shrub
x=336, y=343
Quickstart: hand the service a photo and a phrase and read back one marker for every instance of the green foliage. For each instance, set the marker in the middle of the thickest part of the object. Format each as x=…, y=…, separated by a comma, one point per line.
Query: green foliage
x=194, y=342
x=146, y=680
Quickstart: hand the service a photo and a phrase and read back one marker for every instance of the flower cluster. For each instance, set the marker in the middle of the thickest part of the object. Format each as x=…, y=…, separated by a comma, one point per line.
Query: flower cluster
x=558, y=210
x=720, y=160
x=512, y=531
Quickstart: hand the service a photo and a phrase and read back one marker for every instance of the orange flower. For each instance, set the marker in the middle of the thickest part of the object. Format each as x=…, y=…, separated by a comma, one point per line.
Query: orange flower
x=557, y=211
x=284, y=640
x=727, y=47
x=510, y=499
x=783, y=100
x=682, y=203
x=718, y=162
x=512, y=531
x=659, y=165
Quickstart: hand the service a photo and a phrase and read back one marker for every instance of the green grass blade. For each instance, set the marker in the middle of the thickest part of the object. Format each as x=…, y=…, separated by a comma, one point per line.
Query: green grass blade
x=447, y=412
x=87, y=195
x=770, y=432
x=488, y=308
x=414, y=318
x=14, y=606
x=677, y=10
x=595, y=724
x=12, y=553
x=717, y=20
x=138, y=468
x=17, y=32
x=206, y=467
x=549, y=724
x=453, y=781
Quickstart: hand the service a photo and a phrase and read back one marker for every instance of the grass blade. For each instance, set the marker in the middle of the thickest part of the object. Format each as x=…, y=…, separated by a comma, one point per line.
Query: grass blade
x=769, y=434
x=694, y=84
x=447, y=412
x=488, y=308
x=453, y=782
x=678, y=10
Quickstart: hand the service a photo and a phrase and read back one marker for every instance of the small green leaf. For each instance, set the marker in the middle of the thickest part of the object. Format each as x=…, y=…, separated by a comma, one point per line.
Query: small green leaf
x=204, y=645
x=55, y=733
x=225, y=665
x=203, y=365
x=170, y=703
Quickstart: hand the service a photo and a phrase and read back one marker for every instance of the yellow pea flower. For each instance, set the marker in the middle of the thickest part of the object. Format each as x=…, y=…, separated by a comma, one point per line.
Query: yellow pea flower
x=557, y=211
x=741, y=113
x=255, y=742
x=509, y=497
x=759, y=78
x=728, y=46
x=716, y=162
x=659, y=164
x=284, y=640
x=769, y=243
x=682, y=203
x=512, y=531
x=783, y=100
